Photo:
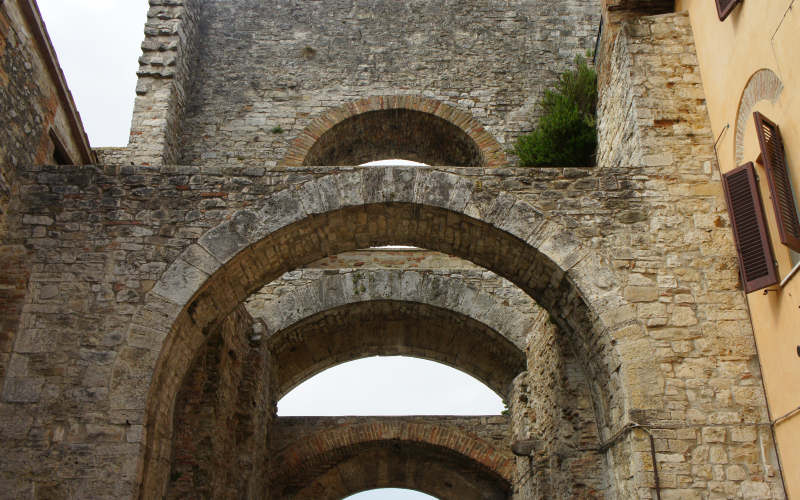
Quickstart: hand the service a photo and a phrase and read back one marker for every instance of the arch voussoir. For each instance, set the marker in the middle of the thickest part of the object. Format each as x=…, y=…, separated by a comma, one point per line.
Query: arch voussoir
x=390, y=185
x=361, y=313
x=278, y=211
x=353, y=286
x=442, y=189
x=229, y=238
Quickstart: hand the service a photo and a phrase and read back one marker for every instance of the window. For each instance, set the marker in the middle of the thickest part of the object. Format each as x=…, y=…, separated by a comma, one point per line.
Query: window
x=756, y=261
x=60, y=154
x=773, y=157
x=725, y=7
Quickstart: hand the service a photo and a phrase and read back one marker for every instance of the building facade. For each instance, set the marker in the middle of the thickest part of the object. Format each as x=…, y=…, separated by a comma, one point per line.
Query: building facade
x=749, y=65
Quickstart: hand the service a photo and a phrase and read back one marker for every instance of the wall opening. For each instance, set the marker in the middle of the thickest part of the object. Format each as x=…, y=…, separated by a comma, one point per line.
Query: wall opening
x=395, y=133
x=392, y=385
x=394, y=162
x=390, y=494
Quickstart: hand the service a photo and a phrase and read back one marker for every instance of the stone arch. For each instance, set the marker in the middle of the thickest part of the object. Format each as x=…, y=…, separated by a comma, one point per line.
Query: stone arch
x=357, y=313
x=392, y=328
x=420, y=129
x=367, y=207
x=764, y=84
x=413, y=446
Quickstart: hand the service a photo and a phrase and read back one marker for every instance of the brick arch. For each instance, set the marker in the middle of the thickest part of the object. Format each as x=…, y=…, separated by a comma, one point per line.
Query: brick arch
x=764, y=84
x=299, y=468
x=365, y=207
x=393, y=464
x=419, y=110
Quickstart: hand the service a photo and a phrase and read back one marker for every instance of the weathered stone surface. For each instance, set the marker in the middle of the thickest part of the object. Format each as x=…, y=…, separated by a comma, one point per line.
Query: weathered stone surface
x=128, y=273
x=313, y=455
x=507, y=55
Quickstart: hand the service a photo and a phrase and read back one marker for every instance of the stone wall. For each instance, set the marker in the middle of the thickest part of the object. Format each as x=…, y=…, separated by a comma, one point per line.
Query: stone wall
x=113, y=156
x=34, y=100
x=37, y=111
x=222, y=417
x=165, y=71
x=13, y=289
x=144, y=222
x=683, y=280
x=633, y=259
x=552, y=404
x=258, y=85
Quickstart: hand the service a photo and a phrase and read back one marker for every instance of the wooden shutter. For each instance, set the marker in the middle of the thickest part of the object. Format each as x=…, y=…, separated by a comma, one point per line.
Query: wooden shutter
x=724, y=8
x=773, y=157
x=749, y=228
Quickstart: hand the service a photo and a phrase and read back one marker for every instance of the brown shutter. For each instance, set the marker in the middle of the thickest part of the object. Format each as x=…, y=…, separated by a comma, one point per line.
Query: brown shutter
x=773, y=157
x=749, y=228
x=724, y=8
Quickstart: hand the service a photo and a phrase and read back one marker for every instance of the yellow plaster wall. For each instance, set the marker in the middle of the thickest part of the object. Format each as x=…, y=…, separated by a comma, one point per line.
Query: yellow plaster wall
x=761, y=34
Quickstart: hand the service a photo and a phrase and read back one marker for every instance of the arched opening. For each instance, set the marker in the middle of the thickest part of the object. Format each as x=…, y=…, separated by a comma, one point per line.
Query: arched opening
x=396, y=385
x=393, y=162
x=383, y=127
x=390, y=494
x=391, y=328
x=377, y=207
x=395, y=133
x=333, y=458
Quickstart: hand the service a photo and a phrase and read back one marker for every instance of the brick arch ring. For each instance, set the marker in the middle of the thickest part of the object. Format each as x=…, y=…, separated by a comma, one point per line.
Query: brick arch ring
x=764, y=84
x=491, y=152
x=360, y=208
x=356, y=313
x=298, y=462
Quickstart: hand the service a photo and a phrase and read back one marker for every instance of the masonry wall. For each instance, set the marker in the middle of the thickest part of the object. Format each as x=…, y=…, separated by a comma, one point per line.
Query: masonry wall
x=263, y=70
x=745, y=71
x=683, y=265
x=33, y=104
x=654, y=219
x=165, y=71
x=33, y=98
x=222, y=417
x=552, y=404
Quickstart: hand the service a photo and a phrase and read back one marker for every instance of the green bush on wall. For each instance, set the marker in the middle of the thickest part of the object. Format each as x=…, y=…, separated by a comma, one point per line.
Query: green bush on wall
x=567, y=132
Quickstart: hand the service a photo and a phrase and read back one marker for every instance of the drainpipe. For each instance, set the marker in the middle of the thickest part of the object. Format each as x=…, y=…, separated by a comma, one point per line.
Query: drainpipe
x=604, y=447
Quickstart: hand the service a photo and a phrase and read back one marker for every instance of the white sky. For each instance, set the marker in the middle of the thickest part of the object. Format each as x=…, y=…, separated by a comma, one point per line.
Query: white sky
x=390, y=494
x=97, y=42
x=372, y=386
x=98, y=46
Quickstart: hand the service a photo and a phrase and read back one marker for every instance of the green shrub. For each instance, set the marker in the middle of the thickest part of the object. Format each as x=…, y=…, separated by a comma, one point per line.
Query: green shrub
x=567, y=132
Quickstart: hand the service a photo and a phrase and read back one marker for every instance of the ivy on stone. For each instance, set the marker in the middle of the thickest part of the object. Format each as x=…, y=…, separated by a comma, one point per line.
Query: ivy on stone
x=567, y=131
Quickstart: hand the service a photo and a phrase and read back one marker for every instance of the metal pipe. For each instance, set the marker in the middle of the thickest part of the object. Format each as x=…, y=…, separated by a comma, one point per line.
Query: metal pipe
x=623, y=432
x=789, y=276
x=597, y=43
x=786, y=417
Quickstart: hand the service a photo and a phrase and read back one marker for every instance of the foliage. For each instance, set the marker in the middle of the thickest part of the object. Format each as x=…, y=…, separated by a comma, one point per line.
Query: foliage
x=567, y=132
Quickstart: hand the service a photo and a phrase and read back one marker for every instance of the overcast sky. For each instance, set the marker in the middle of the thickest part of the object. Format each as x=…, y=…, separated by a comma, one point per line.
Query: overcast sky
x=97, y=42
